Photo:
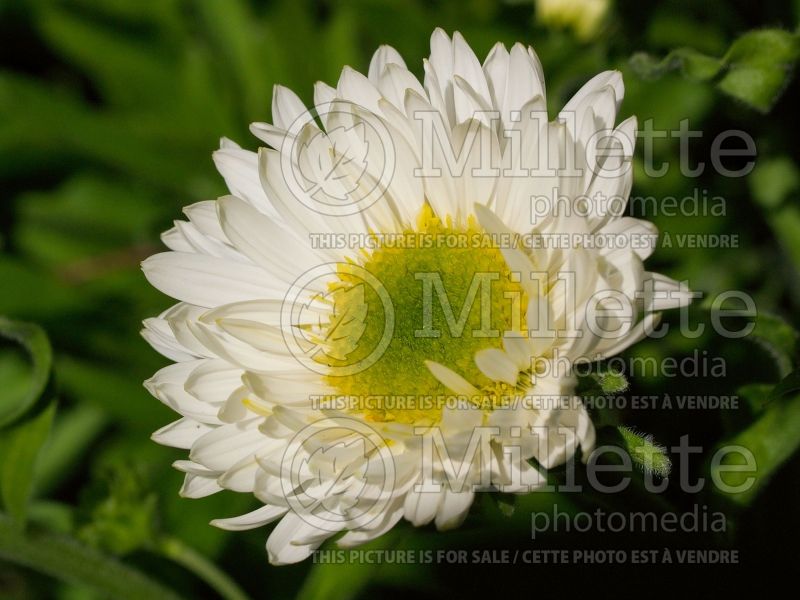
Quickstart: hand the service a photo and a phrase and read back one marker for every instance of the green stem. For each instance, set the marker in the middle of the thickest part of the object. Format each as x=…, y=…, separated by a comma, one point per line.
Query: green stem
x=188, y=557
x=66, y=559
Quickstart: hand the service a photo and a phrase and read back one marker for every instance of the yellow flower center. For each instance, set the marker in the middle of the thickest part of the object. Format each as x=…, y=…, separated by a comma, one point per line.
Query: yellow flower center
x=449, y=293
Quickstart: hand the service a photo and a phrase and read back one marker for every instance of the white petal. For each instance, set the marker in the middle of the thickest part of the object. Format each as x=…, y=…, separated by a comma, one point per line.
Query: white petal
x=466, y=66
x=577, y=418
x=262, y=337
x=420, y=507
x=496, y=365
x=360, y=536
x=356, y=88
x=158, y=334
x=213, y=380
x=181, y=433
x=613, y=347
x=295, y=206
x=168, y=386
x=200, y=243
x=495, y=67
x=519, y=349
x=439, y=72
x=203, y=215
x=287, y=107
x=394, y=81
x=178, y=318
x=668, y=293
x=611, y=78
x=323, y=96
x=451, y=380
x=526, y=68
x=257, y=518
x=174, y=239
x=239, y=168
x=264, y=241
x=241, y=477
x=226, y=445
x=198, y=486
x=209, y=281
x=281, y=546
x=453, y=509
x=274, y=136
x=383, y=57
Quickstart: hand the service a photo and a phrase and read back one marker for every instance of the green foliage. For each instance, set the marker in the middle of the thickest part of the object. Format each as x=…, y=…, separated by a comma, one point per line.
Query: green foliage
x=770, y=440
x=21, y=447
x=33, y=339
x=759, y=65
x=69, y=561
x=691, y=63
x=773, y=180
x=755, y=69
x=122, y=514
x=324, y=582
x=646, y=454
x=775, y=434
x=612, y=382
x=24, y=431
x=779, y=338
x=604, y=380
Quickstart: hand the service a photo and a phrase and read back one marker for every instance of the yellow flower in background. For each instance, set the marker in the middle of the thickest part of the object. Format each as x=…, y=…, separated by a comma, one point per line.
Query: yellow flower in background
x=312, y=375
x=584, y=17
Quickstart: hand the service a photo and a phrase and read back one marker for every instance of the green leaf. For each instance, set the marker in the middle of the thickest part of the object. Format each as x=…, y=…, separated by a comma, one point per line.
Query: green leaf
x=21, y=448
x=214, y=576
x=69, y=226
x=342, y=581
x=56, y=517
x=773, y=180
x=648, y=455
x=71, y=437
x=785, y=222
x=240, y=39
x=779, y=338
x=691, y=63
x=759, y=66
x=34, y=340
x=755, y=69
x=36, y=291
x=674, y=29
x=91, y=381
x=756, y=395
x=126, y=70
x=66, y=559
x=52, y=128
x=122, y=517
x=786, y=386
x=771, y=439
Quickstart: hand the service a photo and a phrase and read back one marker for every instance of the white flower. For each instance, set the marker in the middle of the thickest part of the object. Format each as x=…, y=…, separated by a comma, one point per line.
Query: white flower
x=347, y=380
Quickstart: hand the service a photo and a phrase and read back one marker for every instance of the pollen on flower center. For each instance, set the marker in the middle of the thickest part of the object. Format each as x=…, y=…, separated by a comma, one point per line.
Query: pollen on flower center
x=452, y=294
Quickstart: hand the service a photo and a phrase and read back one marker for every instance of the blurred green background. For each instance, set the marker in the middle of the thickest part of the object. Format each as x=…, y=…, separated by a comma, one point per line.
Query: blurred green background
x=109, y=112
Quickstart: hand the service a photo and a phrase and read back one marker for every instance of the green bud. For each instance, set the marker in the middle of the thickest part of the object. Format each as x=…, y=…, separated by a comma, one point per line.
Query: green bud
x=648, y=455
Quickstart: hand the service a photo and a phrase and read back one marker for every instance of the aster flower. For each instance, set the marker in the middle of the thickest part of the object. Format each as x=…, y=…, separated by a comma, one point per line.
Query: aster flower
x=364, y=301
